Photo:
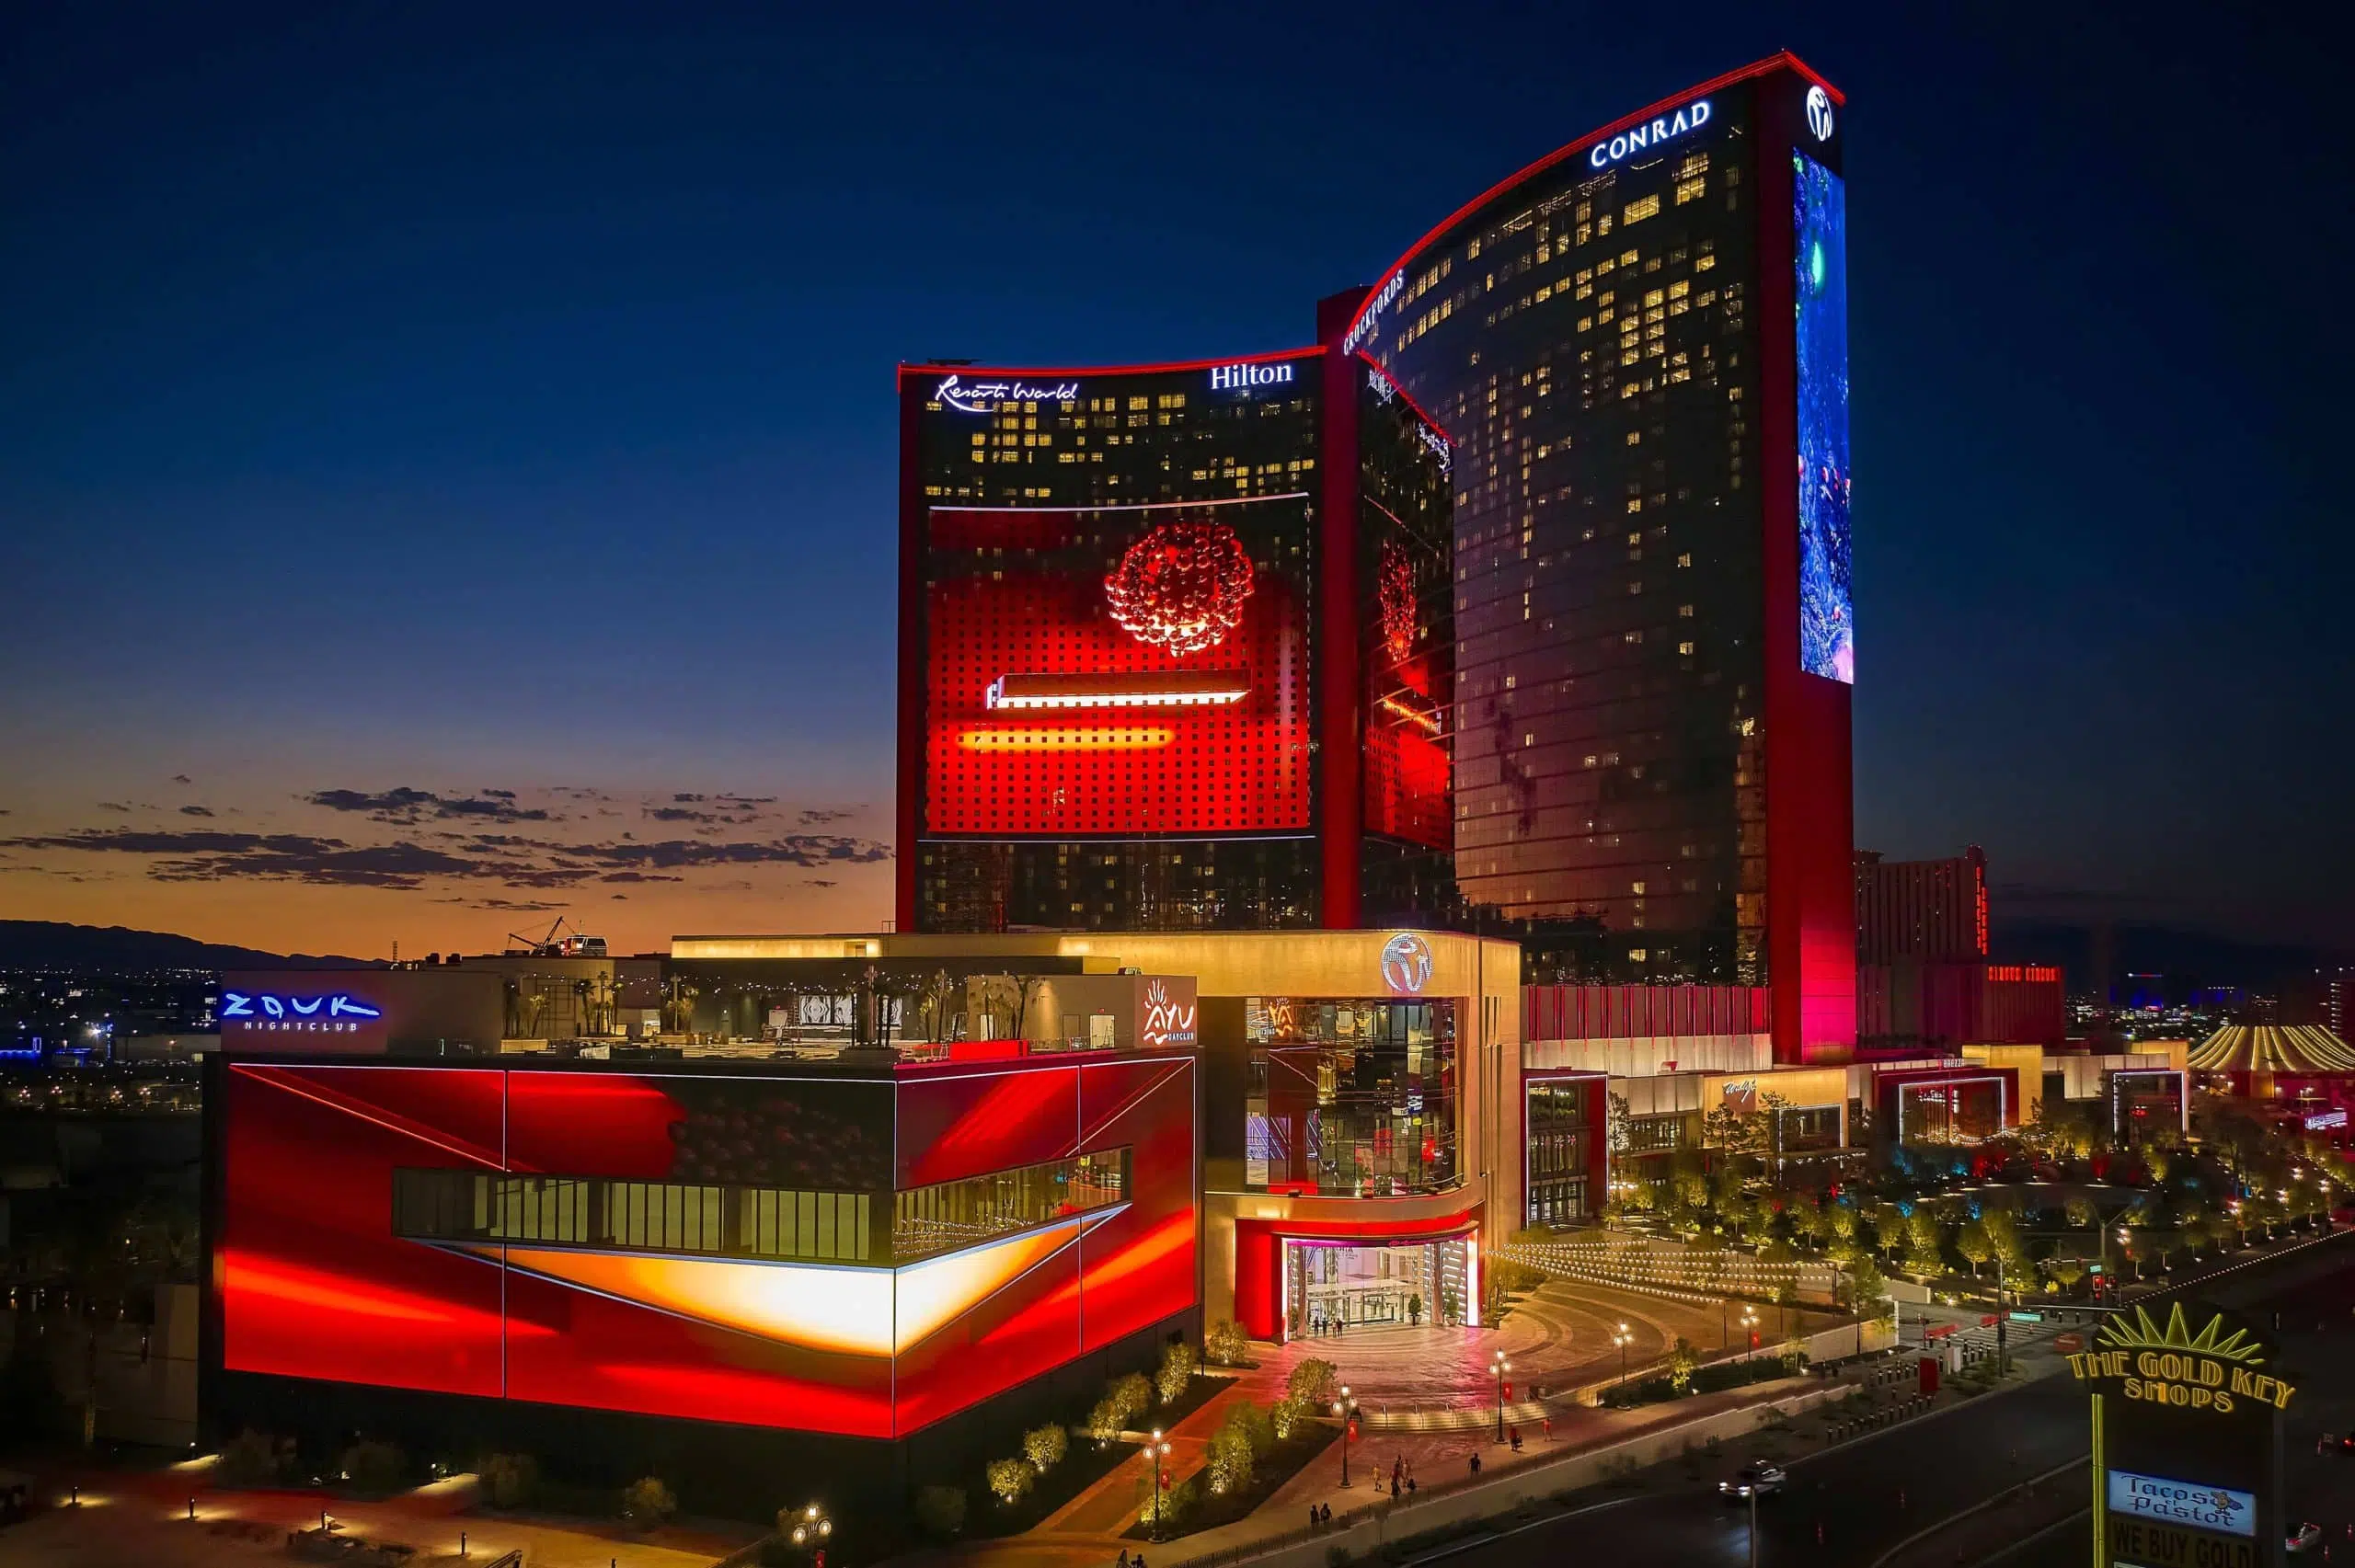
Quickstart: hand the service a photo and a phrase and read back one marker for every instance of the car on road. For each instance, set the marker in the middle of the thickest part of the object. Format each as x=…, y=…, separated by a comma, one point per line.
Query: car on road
x=2305, y=1537
x=2341, y=1443
x=1757, y=1479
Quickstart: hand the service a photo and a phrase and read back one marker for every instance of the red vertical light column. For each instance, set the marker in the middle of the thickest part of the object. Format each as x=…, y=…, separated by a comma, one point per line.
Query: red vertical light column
x=1340, y=806
x=910, y=647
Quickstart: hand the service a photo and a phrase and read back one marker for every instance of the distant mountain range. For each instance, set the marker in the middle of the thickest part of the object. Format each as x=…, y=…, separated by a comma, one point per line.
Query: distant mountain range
x=2188, y=958
x=53, y=944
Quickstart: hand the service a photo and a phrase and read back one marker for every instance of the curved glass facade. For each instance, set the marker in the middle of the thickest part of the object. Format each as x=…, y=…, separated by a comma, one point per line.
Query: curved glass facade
x=1608, y=338
x=1590, y=339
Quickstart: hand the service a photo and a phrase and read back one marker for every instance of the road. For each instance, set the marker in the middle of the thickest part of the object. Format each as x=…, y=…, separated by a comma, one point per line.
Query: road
x=1868, y=1497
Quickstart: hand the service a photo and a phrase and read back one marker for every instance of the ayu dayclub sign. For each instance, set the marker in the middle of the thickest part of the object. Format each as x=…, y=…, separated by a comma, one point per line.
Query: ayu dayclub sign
x=2186, y=1439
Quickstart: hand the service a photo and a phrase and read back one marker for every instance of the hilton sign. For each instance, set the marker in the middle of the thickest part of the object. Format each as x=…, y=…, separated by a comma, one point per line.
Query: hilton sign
x=1249, y=377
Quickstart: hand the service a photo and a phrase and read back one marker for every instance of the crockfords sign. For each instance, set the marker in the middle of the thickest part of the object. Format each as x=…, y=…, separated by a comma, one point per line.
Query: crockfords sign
x=1243, y=378
x=1661, y=128
x=984, y=396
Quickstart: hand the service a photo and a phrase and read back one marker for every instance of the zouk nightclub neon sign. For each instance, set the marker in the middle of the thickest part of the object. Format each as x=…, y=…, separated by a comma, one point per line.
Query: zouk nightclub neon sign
x=337, y=1013
x=1662, y=127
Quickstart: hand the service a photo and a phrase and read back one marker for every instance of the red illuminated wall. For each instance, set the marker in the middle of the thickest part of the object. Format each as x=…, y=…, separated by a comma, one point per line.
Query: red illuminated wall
x=313, y=1282
x=1110, y=767
x=1810, y=808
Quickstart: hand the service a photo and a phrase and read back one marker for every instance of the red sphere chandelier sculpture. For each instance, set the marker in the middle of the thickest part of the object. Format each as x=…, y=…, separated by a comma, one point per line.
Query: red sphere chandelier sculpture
x=1181, y=587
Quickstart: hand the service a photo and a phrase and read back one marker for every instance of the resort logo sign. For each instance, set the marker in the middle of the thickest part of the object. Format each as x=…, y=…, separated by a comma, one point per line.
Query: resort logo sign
x=1407, y=963
x=1168, y=1021
x=1660, y=128
x=984, y=396
x=1818, y=113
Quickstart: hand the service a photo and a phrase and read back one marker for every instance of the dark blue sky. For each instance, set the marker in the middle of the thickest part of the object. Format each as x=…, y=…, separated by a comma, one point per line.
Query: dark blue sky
x=480, y=398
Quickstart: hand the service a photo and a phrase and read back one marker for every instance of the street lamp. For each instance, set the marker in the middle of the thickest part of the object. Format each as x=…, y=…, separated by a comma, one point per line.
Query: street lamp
x=1345, y=1410
x=1155, y=1450
x=1748, y=1326
x=1622, y=1338
x=1499, y=1366
x=810, y=1530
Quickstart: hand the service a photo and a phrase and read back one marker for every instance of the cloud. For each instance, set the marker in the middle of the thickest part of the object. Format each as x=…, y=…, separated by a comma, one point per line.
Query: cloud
x=182, y=778
x=406, y=807
x=825, y=815
x=196, y=811
x=113, y=805
x=512, y=860
x=511, y=906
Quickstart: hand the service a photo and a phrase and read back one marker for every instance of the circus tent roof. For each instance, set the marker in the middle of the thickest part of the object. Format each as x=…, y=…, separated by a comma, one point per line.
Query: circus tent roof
x=2273, y=1048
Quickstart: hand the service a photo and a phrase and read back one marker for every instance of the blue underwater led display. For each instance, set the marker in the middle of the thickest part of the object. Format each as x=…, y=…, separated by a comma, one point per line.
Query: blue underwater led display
x=1820, y=225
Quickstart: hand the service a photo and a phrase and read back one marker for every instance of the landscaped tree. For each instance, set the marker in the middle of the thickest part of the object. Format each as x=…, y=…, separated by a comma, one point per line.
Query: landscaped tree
x=2080, y=1212
x=2066, y=1272
x=1226, y=1344
x=1010, y=1478
x=1972, y=1242
x=1179, y=1362
x=1044, y=1447
x=1682, y=1362
x=646, y=1502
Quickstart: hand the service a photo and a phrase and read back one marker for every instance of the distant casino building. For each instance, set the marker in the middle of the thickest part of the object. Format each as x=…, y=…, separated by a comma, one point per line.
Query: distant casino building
x=1251, y=642
x=1931, y=909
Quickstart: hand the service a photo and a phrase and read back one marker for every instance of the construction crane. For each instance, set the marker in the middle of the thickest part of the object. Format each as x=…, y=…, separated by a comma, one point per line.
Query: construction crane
x=578, y=945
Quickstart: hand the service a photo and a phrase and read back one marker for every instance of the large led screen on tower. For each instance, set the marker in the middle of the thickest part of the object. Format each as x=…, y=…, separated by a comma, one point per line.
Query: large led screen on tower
x=1819, y=222
x=1118, y=669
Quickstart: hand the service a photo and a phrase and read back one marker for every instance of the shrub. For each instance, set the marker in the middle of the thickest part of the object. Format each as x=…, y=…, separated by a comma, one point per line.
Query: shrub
x=1313, y=1381
x=1179, y=1362
x=646, y=1502
x=509, y=1480
x=940, y=1510
x=374, y=1467
x=1228, y=1464
x=250, y=1458
x=1247, y=1433
x=1124, y=1399
x=1010, y=1478
x=1226, y=1344
x=1044, y=1447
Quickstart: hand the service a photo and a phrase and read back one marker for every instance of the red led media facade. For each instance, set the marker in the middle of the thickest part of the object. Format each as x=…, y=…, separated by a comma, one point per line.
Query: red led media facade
x=1118, y=670
x=758, y=1250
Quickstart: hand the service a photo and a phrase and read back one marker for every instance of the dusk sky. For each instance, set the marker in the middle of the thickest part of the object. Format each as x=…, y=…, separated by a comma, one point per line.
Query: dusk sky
x=447, y=453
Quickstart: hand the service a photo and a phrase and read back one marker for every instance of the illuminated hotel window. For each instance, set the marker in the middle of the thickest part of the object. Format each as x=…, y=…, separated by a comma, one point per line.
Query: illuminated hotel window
x=621, y=1215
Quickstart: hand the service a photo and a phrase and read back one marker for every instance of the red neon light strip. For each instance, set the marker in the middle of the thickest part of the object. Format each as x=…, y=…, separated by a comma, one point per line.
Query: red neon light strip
x=1143, y=506
x=1786, y=61
x=906, y=371
x=1169, y=688
x=1143, y=738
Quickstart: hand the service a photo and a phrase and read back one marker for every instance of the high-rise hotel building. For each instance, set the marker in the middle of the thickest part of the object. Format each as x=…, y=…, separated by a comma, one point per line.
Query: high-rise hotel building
x=1639, y=346
x=1176, y=648
x=1521, y=601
